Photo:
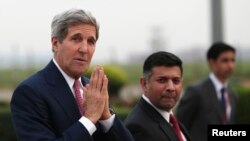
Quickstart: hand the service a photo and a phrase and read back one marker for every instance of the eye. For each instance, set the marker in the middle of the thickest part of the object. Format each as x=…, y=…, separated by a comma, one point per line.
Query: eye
x=76, y=38
x=225, y=60
x=161, y=80
x=91, y=41
x=177, y=80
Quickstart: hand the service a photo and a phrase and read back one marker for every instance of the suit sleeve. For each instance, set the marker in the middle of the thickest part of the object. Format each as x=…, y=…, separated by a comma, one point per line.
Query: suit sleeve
x=139, y=133
x=118, y=132
x=188, y=107
x=30, y=116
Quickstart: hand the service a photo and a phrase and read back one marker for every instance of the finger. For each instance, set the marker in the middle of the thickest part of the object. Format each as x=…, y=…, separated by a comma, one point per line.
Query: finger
x=100, y=79
x=93, y=79
x=85, y=91
x=105, y=84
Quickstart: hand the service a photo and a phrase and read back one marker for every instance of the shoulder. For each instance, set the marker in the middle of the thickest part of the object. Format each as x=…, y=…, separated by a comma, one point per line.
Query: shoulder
x=39, y=77
x=142, y=113
x=134, y=114
x=200, y=85
x=195, y=91
x=31, y=86
x=31, y=81
x=140, y=124
x=137, y=115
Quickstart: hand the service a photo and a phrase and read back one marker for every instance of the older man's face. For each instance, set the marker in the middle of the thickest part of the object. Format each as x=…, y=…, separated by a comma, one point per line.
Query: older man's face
x=75, y=52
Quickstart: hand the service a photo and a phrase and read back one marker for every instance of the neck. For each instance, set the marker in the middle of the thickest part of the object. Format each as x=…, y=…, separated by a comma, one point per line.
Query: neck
x=221, y=79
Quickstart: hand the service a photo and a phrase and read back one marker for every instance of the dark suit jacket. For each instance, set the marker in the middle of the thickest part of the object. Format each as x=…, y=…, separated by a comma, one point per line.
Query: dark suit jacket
x=146, y=124
x=199, y=107
x=43, y=108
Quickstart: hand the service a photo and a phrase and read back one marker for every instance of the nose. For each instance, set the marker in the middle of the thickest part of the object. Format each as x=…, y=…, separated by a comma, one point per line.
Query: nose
x=83, y=47
x=170, y=86
x=232, y=64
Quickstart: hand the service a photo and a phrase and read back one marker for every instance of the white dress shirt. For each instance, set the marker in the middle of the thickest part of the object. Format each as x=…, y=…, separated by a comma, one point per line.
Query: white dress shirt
x=218, y=86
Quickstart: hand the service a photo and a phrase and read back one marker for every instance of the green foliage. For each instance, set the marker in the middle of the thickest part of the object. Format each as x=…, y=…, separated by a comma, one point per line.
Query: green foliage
x=242, y=69
x=243, y=108
x=117, y=78
x=134, y=73
x=10, y=78
x=122, y=112
x=194, y=72
x=6, y=131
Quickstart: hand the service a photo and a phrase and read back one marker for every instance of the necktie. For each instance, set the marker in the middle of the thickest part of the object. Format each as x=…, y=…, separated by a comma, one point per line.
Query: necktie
x=79, y=99
x=223, y=104
x=176, y=126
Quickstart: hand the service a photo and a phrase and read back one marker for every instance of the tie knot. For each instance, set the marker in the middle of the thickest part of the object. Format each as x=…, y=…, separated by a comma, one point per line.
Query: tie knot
x=77, y=84
x=173, y=119
x=223, y=89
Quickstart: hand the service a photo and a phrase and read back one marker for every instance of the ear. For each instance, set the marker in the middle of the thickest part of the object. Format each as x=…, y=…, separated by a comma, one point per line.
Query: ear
x=54, y=42
x=211, y=63
x=143, y=83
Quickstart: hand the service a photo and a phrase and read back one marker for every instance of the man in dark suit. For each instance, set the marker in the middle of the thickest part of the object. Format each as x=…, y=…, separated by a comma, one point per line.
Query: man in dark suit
x=203, y=103
x=151, y=118
x=57, y=103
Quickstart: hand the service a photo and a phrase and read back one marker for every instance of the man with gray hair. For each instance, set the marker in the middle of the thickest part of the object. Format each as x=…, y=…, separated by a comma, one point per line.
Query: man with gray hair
x=58, y=103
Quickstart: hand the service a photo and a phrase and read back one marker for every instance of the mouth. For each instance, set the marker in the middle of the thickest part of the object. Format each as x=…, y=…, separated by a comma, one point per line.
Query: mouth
x=167, y=100
x=168, y=97
x=80, y=60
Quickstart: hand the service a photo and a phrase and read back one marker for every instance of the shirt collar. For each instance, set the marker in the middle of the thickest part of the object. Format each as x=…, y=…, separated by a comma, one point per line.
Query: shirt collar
x=218, y=85
x=163, y=113
x=70, y=81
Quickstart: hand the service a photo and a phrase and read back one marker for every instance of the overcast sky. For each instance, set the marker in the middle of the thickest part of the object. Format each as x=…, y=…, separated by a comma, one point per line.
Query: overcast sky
x=125, y=25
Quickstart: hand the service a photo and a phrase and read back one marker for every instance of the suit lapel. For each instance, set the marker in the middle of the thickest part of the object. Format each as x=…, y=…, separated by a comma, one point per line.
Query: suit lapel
x=214, y=99
x=184, y=131
x=61, y=92
x=167, y=129
x=164, y=126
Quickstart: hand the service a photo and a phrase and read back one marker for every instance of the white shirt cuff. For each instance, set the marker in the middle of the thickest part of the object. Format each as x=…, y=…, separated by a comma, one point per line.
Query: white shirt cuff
x=107, y=124
x=88, y=125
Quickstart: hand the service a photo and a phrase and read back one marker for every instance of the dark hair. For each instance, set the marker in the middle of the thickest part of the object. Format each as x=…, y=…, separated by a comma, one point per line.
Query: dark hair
x=217, y=48
x=161, y=58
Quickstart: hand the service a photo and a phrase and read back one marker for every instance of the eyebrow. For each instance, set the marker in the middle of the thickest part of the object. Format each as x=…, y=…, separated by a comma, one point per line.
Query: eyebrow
x=79, y=34
x=93, y=38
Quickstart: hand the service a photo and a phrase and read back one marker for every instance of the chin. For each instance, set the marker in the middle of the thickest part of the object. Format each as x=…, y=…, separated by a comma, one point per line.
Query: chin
x=166, y=107
x=77, y=73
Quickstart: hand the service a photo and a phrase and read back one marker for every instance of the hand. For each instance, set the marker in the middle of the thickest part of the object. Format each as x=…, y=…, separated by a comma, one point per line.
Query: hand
x=95, y=95
x=106, y=112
